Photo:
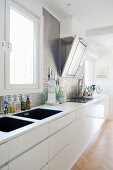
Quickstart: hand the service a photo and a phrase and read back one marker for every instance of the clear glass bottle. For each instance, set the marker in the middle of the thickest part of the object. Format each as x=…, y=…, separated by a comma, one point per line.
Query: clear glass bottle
x=18, y=104
x=12, y=106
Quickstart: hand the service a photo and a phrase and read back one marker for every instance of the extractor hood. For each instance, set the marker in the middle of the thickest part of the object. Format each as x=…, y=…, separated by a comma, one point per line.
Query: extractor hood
x=72, y=52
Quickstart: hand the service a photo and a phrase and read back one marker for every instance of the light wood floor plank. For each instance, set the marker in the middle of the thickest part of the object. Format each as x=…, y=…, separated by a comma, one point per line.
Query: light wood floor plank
x=99, y=155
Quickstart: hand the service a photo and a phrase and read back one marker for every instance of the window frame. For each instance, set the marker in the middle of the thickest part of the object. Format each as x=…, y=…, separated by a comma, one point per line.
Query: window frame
x=2, y=27
x=39, y=48
x=92, y=62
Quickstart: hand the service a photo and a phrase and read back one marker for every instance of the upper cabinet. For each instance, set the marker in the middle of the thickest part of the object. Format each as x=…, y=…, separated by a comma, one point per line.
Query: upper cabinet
x=72, y=52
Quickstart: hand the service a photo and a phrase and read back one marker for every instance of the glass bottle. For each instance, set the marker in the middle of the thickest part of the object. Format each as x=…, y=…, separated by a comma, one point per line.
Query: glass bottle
x=23, y=103
x=27, y=103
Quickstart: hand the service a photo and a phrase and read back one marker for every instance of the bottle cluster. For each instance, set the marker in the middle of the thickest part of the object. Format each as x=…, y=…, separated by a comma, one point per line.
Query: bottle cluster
x=17, y=103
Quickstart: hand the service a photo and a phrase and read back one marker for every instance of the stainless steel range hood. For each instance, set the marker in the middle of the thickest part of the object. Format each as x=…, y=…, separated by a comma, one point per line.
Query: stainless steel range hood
x=72, y=52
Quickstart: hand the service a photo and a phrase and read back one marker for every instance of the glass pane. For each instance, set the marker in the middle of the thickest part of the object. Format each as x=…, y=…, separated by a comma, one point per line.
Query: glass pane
x=88, y=73
x=22, y=54
x=76, y=59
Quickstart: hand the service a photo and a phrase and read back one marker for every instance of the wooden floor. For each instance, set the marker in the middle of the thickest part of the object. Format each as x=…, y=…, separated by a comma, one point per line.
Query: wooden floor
x=99, y=155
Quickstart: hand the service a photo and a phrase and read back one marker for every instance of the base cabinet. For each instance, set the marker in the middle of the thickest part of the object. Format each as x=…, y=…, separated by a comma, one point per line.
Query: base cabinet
x=83, y=130
x=3, y=153
x=4, y=168
x=106, y=111
x=60, y=162
x=34, y=159
x=56, y=146
x=45, y=167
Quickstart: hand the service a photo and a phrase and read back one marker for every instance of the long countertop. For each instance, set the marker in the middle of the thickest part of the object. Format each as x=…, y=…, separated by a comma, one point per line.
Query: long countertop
x=66, y=108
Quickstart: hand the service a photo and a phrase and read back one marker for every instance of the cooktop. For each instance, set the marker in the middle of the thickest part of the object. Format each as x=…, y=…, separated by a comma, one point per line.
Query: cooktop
x=80, y=99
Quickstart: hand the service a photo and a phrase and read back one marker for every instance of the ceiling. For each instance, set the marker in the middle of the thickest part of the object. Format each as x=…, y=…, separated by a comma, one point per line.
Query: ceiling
x=94, y=16
x=91, y=13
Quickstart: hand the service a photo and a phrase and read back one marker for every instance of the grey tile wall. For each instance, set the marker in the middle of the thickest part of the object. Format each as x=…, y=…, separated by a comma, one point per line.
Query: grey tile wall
x=50, y=44
x=51, y=53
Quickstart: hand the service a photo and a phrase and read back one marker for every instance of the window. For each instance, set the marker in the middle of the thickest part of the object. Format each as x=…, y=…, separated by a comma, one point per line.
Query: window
x=22, y=65
x=89, y=72
x=22, y=56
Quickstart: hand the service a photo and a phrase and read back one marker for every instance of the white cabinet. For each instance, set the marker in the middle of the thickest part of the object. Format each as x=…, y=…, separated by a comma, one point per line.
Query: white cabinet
x=60, y=162
x=66, y=145
x=27, y=140
x=61, y=123
x=59, y=143
x=3, y=153
x=45, y=167
x=106, y=107
x=33, y=159
x=96, y=109
x=67, y=157
x=63, y=137
x=99, y=109
x=30, y=150
x=52, y=146
x=4, y=168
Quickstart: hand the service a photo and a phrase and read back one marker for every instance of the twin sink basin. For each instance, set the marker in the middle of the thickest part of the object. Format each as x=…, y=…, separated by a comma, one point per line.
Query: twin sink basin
x=8, y=124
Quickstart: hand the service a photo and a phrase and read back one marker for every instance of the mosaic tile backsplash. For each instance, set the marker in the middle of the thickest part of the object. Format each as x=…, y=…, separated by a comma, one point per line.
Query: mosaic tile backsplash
x=51, y=60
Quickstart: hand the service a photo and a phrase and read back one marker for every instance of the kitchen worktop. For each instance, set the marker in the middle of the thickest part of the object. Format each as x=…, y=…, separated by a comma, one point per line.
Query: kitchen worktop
x=66, y=108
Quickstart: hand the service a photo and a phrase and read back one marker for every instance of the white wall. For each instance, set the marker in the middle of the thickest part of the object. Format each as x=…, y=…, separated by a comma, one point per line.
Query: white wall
x=77, y=28
x=66, y=27
x=106, y=61
x=71, y=27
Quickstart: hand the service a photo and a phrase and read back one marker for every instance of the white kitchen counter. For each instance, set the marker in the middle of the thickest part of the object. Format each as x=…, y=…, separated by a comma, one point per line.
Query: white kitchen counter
x=66, y=108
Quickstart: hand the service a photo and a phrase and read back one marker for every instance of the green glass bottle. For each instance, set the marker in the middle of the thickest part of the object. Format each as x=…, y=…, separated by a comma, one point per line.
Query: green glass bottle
x=23, y=103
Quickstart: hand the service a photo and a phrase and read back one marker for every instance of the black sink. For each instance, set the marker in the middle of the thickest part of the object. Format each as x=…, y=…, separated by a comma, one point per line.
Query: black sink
x=38, y=114
x=8, y=124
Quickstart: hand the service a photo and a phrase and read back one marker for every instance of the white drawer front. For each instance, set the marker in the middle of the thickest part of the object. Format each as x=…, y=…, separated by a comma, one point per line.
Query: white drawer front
x=75, y=129
x=25, y=141
x=45, y=167
x=4, y=168
x=63, y=137
x=34, y=159
x=61, y=122
x=3, y=153
x=60, y=162
x=58, y=141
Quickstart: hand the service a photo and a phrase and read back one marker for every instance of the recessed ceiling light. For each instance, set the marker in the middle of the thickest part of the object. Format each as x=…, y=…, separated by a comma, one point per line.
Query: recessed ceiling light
x=68, y=4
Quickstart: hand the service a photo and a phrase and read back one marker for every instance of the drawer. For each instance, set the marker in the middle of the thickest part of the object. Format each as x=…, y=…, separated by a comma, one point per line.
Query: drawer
x=45, y=167
x=61, y=123
x=75, y=129
x=4, y=168
x=3, y=153
x=58, y=141
x=63, y=137
x=34, y=159
x=27, y=140
x=61, y=161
